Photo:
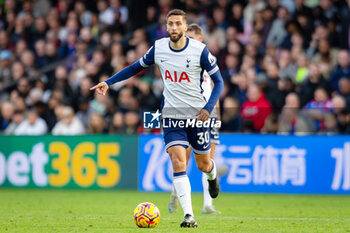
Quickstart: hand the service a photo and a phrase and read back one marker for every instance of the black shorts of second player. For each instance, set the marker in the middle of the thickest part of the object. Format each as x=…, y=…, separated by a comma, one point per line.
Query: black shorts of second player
x=197, y=138
x=214, y=135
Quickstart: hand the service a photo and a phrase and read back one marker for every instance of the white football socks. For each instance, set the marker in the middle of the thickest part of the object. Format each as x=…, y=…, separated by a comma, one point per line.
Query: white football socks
x=183, y=189
x=173, y=191
x=212, y=174
x=207, y=200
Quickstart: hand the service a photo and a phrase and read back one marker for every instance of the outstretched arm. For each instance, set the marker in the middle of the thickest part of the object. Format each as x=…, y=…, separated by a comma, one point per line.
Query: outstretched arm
x=142, y=63
x=125, y=73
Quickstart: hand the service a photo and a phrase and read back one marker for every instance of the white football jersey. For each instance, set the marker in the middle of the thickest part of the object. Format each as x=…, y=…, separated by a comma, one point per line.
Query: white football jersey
x=182, y=72
x=206, y=85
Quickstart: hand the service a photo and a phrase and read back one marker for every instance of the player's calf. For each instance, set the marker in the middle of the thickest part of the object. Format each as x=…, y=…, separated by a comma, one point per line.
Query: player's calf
x=204, y=164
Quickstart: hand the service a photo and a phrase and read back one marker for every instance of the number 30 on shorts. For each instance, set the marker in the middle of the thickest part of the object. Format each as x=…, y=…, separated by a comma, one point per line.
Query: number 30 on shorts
x=203, y=137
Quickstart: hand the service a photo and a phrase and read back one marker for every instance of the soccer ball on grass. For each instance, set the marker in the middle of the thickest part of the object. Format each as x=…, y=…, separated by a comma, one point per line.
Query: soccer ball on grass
x=146, y=215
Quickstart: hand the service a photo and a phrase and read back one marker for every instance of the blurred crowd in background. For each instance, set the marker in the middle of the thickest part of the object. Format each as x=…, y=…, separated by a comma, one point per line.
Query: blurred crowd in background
x=285, y=64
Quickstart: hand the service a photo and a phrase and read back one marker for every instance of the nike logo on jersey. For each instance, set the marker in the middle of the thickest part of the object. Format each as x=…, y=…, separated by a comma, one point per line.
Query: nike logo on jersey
x=206, y=146
x=163, y=60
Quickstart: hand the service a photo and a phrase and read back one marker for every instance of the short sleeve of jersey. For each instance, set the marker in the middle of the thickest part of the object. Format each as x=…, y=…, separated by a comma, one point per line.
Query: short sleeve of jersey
x=208, y=62
x=148, y=58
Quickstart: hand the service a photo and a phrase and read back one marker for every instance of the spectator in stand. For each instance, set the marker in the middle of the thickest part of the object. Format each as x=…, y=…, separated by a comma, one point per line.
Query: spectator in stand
x=5, y=68
x=249, y=13
x=146, y=96
x=68, y=124
x=117, y=125
x=240, y=83
x=61, y=83
x=274, y=94
x=99, y=104
x=85, y=16
x=231, y=120
x=106, y=14
x=297, y=47
x=324, y=53
x=292, y=120
x=344, y=90
x=341, y=70
x=264, y=25
x=7, y=111
x=330, y=125
x=214, y=34
x=343, y=122
x=305, y=27
x=232, y=66
x=68, y=47
x=51, y=55
x=338, y=104
x=132, y=121
x=35, y=95
x=219, y=16
x=96, y=124
x=287, y=69
x=21, y=47
x=99, y=61
x=314, y=79
x=271, y=124
x=83, y=90
x=117, y=7
x=17, y=71
x=84, y=111
x=301, y=7
x=39, y=53
x=23, y=87
x=302, y=70
x=256, y=109
x=278, y=32
x=236, y=16
x=32, y=125
x=86, y=36
x=319, y=107
x=17, y=119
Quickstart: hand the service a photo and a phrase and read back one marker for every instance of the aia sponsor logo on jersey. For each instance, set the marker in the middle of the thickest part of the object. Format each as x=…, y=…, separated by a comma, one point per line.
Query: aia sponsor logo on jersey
x=176, y=77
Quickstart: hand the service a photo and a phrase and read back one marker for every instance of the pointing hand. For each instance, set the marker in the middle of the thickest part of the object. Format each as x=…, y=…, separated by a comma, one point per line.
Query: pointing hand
x=101, y=88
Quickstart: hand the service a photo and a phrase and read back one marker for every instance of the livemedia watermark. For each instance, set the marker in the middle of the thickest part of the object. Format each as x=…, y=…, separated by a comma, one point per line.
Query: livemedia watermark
x=154, y=120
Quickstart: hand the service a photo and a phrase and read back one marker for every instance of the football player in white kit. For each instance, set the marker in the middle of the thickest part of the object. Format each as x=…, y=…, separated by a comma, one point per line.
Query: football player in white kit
x=181, y=61
x=195, y=32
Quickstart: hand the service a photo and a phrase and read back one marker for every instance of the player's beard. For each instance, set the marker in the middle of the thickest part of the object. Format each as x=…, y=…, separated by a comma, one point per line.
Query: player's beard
x=176, y=39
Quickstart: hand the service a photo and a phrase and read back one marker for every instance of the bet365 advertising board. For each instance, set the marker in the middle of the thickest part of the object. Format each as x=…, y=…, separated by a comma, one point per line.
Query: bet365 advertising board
x=69, y=162
x=258, y=164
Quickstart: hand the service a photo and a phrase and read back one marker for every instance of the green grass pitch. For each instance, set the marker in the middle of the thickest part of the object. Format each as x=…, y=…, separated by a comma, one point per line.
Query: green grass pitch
x=34, y=210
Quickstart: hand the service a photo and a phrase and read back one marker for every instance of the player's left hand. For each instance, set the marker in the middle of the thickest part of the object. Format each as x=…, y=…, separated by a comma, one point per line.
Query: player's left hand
x=203, y=115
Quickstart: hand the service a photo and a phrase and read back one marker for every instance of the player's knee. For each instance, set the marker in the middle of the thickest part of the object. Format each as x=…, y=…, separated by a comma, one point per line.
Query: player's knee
x=204, y=166
x=178, y=162
x=179, y=165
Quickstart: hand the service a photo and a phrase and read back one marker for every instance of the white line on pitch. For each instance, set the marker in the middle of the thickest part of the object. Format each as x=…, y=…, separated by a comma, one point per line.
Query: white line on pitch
x=282, y=218
x=234, y=218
